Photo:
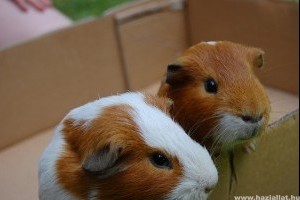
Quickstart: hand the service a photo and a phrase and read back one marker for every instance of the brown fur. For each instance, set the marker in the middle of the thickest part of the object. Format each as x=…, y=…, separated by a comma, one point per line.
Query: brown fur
x=161, y=103
x=140, y=180
x=240, y=92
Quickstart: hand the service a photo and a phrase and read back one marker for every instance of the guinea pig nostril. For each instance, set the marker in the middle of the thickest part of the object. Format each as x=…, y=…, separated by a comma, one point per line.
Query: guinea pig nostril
x=247, y=118
x=208, y=189
x=250, y=119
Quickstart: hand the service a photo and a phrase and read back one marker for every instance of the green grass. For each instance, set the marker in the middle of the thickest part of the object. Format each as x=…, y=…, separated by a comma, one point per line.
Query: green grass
x=79, y=9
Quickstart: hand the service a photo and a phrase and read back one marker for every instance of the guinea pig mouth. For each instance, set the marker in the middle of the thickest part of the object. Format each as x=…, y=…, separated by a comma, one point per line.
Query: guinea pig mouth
x=250, y=135
x=232, y=128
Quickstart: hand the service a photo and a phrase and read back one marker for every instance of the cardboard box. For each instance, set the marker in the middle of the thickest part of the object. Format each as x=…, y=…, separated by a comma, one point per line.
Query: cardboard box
x=129, y=49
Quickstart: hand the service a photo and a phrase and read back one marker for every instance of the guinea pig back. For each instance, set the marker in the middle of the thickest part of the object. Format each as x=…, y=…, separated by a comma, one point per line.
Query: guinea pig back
x=124, y=147
x=217, y=97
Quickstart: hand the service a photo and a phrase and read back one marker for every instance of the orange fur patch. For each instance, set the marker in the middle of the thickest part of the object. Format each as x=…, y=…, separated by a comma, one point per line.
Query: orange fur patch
x=140, y=180
x=162, y=103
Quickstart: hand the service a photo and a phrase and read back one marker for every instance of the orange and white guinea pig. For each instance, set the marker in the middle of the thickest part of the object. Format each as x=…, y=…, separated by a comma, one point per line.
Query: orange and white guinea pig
x=217, y=98
x=124, y=147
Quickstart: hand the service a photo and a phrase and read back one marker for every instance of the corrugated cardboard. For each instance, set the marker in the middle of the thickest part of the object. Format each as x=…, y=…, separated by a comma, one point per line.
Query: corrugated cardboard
x=157, y=29
x=270, y=25
x=43, y=79
x=272, y=169
x=129, y=49
x=19, y=167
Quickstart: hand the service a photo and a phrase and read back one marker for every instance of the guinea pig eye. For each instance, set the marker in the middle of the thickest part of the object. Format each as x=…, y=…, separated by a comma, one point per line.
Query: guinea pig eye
x=160, y=160
x=211, y=86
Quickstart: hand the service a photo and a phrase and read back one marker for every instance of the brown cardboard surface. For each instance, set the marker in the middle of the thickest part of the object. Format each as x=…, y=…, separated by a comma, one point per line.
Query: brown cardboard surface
x=43, y=79
x=151, y=41
x=270, y=25
x=19, y=167
x=83, y=62
x=282, y=103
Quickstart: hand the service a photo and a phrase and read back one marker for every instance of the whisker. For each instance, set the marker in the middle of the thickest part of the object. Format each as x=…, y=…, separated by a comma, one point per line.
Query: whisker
x=220, y=138
x=196, y=125
x=217, y=141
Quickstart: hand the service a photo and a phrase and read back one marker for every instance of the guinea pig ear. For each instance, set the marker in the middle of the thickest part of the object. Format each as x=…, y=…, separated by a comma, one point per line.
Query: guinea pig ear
x=104, y=162
x=175, y=73
x=258, y=58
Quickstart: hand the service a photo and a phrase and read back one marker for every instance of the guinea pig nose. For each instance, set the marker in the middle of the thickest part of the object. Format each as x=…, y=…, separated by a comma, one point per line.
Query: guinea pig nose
x=251, y=119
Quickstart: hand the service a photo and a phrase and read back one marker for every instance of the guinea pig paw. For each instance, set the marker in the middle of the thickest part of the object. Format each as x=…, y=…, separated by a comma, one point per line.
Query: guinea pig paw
x=250, y=147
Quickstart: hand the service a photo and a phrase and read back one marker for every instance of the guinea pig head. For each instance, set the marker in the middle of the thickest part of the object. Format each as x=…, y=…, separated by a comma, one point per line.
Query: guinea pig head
x=131, y=149
x=217, y=98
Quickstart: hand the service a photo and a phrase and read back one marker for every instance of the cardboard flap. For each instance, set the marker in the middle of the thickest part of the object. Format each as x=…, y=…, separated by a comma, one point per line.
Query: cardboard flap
x=272, y=169
x=151, y=36
x=270, y=25
x=43, y=79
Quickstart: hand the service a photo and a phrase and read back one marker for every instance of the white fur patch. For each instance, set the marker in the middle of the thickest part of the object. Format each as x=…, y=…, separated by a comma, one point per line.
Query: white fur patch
x=90, y=111
x=213, y=43
x=48, y=185
x=232, y=128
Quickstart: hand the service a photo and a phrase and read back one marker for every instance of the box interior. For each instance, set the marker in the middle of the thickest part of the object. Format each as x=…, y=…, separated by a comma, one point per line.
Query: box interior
x=117, y=59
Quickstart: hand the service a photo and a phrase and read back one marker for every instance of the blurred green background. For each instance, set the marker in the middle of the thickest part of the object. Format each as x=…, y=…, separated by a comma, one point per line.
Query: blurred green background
x=79, y=9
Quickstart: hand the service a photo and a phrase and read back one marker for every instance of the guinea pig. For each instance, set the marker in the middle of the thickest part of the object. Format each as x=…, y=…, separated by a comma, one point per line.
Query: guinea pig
x=124, y=147
x=217, y=98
